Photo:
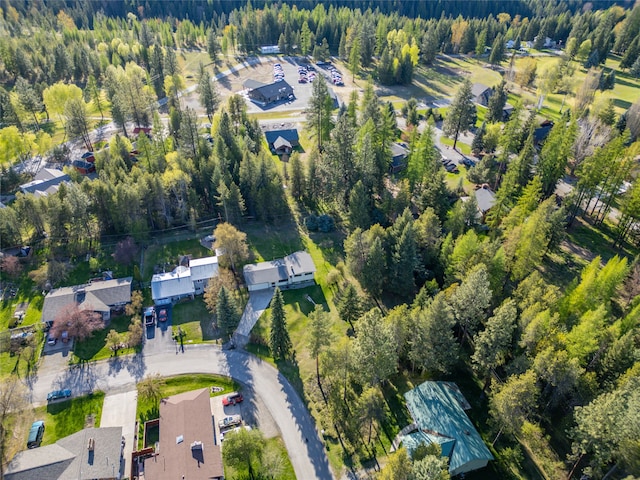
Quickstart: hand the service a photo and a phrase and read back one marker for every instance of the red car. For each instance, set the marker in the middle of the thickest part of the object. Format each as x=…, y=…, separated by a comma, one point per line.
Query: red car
x=232, y=399
x=162, y=315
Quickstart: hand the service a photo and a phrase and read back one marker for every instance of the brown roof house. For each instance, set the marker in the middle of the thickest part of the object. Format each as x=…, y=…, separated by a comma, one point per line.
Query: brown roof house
x=92, y=453
x=101, y=297
x=186, y=448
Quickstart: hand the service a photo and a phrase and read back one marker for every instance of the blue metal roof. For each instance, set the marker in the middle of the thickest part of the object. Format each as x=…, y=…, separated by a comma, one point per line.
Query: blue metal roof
x=437, y=409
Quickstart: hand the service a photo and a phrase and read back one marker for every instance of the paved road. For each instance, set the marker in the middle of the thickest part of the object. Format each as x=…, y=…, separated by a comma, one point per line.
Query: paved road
x=118, y=375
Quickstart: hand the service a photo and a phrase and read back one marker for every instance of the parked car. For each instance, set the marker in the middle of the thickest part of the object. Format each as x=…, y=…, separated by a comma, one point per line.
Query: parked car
x=162, y=315
x=51, y=340
x=35, y=434
x=149, y=316
x=235, y=429
x=57, y=394
x=64, y=336
x=230, y=421
x=232, y=399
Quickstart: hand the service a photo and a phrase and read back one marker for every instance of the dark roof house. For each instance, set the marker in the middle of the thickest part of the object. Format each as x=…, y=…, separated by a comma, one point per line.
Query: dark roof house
x=101, y=297
x=282, y=141
x=186, y=447
x=481, y=93
x=272, y=92
x=438, y=411
x=399, y=155
x=92, y=453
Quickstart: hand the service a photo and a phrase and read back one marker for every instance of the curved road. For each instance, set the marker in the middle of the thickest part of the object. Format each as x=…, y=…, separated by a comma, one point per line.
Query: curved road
x=298, y=430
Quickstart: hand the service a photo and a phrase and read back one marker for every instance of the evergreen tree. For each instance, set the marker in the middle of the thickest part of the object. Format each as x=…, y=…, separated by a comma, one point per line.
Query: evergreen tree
x=477, y=145
x=213, y=48
x=227, y=313
x=635, y=68
x=279, y=340
x=297, y=181
x=350, y=306
x=471, y=300
x=375, y=348
x=555, y=155
x=209, y=96
x=497, y=50
x=404, y=262
x=497, y=102
x=319, y=336
x=359, y=207
x=462, y=113
x=433, y=347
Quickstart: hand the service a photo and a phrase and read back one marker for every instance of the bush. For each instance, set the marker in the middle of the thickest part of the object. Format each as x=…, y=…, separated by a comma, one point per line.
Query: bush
x=326, y=223
x=311, y=222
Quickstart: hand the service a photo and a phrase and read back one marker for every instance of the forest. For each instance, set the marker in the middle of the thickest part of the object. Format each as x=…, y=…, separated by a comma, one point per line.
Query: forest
x=547, y=338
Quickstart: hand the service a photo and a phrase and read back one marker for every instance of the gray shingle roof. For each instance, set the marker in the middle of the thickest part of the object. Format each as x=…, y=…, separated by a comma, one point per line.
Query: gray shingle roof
x=485, y=199
x=99, y=295
x=299, y=263
x=478, y=89
x=70, y=459
x=265, y=272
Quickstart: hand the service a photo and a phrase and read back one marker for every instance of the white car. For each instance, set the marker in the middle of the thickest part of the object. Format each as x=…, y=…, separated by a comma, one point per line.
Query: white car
x=229, y=422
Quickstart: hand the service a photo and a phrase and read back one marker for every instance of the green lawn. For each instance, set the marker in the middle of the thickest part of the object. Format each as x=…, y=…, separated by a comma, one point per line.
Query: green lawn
x=70, y=416
x=274, y=445
x=168, y=255
x=95, y=347
x=195, y=320
x=148, y=409
x=461, y=147
x=27, y=292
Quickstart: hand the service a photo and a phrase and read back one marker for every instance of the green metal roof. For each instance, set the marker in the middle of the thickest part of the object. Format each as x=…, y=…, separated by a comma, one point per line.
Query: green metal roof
x=437, y=410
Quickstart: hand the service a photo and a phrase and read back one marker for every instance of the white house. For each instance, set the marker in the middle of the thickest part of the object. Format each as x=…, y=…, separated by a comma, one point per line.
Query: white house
x=295, y=270
x=183, y=281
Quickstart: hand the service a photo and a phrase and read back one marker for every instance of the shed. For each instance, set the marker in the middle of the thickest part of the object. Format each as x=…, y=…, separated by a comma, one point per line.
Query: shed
x=438, y=410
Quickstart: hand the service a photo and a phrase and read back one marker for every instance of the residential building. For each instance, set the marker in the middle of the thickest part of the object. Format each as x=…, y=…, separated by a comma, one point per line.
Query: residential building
x=399, y=155
x=103, y=297
x=184, y=281
x=295, y=270
x=481, y=94
x=485, y=198
x=46, y=182
x=438, y=412
x=282, y=141
x=270, y=93
x=92, y=453
x=186, y=448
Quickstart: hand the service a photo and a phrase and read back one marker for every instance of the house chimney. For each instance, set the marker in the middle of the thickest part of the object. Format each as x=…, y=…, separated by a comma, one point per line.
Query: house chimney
x=91, y=445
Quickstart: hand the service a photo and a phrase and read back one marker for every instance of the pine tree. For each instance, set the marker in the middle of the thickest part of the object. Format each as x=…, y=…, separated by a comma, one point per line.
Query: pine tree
x=227, y=313
x=296, y=177
x=555, y=154
x=635, y=68
x=350, y=306
x=359, y=207
x=497, y=102
x=477, y=145
x=209, y=96
x=497, y=50
x=462, y=113
x=213, y=48
x=279, y=340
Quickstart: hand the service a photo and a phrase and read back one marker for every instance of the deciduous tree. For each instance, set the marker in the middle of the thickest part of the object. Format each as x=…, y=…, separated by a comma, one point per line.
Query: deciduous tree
x=232, y=243
x=79, y=324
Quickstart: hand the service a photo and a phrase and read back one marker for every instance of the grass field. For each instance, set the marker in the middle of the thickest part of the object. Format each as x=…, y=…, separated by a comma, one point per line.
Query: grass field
x=461, y=147
x=168, y=255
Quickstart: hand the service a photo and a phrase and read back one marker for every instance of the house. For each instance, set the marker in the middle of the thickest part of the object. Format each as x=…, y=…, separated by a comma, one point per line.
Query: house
x=250, y=84
x=481, y=94
x=399, y=155
x=84, y=167
x=507, y=110
x=295, y=270
x=485, y=198
x=270, y=93
x=46, y=182
x=541, y=133
x=510, y=44
x=144, y=130
x=102, y=297
x=438, y=412
x=282, y=141
x=186, y=448
x=184, y=281
x=92, y=453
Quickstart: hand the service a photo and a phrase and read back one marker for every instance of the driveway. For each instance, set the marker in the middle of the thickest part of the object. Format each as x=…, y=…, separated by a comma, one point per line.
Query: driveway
x=158, y=337
x=257, y=304
x=289, y=412
x=119, y=410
